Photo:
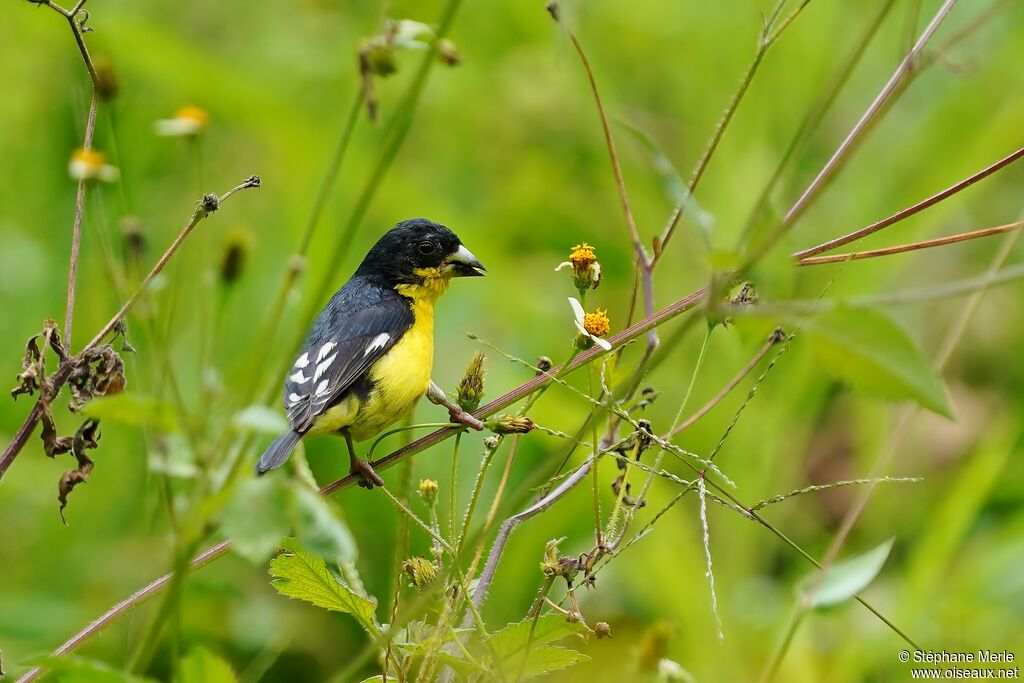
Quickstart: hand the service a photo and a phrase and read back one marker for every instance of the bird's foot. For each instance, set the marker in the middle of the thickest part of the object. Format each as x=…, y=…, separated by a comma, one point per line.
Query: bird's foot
x=460, y=416
x=367, y=477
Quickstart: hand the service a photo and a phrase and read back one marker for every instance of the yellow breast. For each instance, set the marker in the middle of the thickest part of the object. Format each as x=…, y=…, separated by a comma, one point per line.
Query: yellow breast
x=401, y=377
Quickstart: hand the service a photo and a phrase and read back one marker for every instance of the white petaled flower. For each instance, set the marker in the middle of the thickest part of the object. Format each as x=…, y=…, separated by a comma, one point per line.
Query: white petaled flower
x=188, y=121
x=88, y=164
x=591, y=326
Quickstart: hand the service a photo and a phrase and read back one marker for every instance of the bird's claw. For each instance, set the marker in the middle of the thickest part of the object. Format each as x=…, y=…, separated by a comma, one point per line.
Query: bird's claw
x=460, y=416
x=367, y=477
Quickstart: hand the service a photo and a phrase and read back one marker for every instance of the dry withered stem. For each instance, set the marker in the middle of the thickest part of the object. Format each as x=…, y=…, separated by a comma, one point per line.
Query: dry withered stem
x=91, y=354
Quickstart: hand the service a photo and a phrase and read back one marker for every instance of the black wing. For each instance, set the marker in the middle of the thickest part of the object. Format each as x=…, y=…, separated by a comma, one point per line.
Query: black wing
x=359, y=325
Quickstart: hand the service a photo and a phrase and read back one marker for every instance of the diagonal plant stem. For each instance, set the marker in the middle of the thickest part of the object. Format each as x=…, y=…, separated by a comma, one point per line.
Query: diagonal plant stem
x=913, y=246
x=911, y=210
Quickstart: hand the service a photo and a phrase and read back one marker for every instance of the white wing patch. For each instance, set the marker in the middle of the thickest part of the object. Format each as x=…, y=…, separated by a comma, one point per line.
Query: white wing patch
x=293, y=399
x=298, y=378
x=321, y=388
x=379, y=342
x=322, y=368
x=303, y=361
x=324, y=350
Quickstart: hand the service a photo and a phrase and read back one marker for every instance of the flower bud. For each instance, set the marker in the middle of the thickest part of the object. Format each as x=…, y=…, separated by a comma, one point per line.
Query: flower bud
x=236, y=250
x=378, y=58
x=448, y=53
x=491, y=442
x=602, y=630
x=428, y=490
x=544, y=365
x=420, y=571
x=471, y=389
x=106, y=78
x=510, y=424
x=586, y=270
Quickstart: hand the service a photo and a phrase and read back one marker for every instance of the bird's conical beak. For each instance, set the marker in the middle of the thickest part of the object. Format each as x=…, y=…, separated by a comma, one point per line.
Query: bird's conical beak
x=463, y=264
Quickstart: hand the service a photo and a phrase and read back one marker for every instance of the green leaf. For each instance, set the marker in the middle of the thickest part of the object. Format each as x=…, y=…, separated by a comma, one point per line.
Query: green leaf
x=844, y=580
x=133, y=409
x=319, y=527
x=544, y=659
x=302, y=575
x=78, y=670
x=550, y=628
x=872, y=352
x=261, y=419
x=202, y=666
x=257, y=517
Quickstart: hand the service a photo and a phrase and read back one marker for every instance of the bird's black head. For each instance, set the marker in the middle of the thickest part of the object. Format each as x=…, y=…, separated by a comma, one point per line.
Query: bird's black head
x=419, y=249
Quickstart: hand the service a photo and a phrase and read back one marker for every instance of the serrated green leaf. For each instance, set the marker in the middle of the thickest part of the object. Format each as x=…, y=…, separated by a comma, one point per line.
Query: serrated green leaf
x=261, y=419
x=202, y=666
x=544, y=659
x=301, y=575
x=134, y=409
x=872, y=352
x=79, y=670
x=844, y=580
x=319, y=527
x=258, y=517
x=550, y=628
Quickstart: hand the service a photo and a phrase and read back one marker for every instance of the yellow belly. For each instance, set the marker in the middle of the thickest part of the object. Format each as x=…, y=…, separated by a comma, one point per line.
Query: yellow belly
x=400, y=378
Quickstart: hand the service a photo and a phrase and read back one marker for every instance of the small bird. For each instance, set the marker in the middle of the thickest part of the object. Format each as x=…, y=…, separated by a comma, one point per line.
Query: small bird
x=368, y=357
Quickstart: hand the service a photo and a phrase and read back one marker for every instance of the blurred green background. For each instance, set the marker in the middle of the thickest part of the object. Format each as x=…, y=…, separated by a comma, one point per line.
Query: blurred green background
x=507, y=149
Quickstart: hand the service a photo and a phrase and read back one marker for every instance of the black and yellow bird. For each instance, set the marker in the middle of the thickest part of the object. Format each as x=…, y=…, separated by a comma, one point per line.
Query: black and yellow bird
x=368, y=357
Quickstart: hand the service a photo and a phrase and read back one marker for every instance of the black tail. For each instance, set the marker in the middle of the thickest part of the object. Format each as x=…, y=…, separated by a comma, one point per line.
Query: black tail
x=277, y=452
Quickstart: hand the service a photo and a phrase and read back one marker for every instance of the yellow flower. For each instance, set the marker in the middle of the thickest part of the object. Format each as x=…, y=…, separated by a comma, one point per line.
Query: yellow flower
x=88, y=164
x=591, y=326
x=186, y=122
x=586, y=271
x=597, y=323
x=428, y=490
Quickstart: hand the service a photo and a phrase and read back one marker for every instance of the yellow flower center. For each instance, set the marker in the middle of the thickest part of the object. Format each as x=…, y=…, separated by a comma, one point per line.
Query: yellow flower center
x=597, y=323
x=192, y=113
x=88, y=157
x=582, y=255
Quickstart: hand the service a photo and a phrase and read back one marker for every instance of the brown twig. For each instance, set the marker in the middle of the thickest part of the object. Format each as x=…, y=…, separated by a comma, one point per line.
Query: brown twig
x=913, y=246
x=911, y=210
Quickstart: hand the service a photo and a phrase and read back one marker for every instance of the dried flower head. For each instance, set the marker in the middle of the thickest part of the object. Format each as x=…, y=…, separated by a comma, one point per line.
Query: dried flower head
x=602, y=630
x=188, y=121
x=428, y=490
x=90, y=164
x=591, y=326
x=586, y=270
x=420, y=571
x=471, y=389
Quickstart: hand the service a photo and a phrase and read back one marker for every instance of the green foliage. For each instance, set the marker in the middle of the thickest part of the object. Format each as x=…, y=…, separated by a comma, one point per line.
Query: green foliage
x=133, y=408
x=79, y=670
x=304, y=576
x=264, y=510
x=870, y=351
x=844, y=580
x=202, y=666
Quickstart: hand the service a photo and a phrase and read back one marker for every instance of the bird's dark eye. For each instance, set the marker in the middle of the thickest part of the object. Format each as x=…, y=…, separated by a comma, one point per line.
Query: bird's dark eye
x=426, y=248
